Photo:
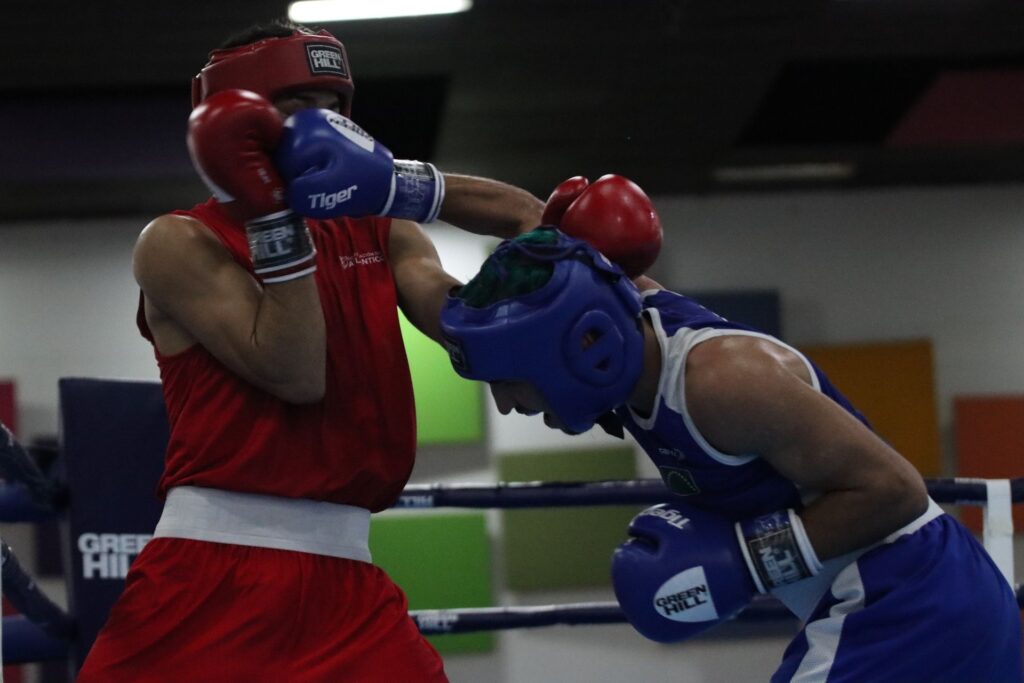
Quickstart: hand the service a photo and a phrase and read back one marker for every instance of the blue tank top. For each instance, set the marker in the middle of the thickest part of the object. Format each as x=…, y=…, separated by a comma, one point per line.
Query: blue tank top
x=734, y=486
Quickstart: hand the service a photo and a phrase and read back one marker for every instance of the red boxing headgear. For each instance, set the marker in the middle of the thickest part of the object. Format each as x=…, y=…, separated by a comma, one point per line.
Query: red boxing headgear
x=274, y=66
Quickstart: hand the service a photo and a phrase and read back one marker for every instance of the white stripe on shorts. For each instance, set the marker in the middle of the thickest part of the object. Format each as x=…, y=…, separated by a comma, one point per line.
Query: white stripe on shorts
x=823, y=634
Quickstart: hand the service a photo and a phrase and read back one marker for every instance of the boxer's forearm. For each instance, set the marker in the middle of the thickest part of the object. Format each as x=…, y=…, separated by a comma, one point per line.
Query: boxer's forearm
x=489, y=207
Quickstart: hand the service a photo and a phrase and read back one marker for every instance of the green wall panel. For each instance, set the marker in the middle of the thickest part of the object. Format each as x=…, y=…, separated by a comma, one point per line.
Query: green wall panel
x=449, y=409
x=441, y=561
x=564, y=547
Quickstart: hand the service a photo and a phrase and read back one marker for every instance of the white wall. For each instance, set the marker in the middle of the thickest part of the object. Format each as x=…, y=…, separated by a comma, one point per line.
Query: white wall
x=67, y=308
x=943, y=264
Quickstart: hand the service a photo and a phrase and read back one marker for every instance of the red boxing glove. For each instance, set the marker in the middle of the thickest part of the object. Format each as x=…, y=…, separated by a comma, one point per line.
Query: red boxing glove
x=615, y=216
x=231, y=137
x=565, y=194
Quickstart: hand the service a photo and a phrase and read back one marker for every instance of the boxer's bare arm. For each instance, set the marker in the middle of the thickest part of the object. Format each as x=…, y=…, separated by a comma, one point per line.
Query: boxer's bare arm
x=478, y=205
x=489, y=207
x=271, y=335
x=421, y=281
x=747, y=395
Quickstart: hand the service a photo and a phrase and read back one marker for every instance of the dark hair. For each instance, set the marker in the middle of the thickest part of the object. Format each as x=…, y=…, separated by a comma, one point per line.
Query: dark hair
x=278, y=28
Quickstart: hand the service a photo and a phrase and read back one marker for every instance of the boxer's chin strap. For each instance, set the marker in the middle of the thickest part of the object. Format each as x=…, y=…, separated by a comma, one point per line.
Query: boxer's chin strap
x=611, y=424
x=777, y=549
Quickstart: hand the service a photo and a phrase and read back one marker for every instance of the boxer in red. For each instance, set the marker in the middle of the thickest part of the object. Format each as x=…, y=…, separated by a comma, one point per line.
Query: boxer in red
x=286, y=384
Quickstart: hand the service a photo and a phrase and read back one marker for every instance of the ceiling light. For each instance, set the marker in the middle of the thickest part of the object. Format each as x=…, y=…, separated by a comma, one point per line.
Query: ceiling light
x=316, y=11
x=784, y=172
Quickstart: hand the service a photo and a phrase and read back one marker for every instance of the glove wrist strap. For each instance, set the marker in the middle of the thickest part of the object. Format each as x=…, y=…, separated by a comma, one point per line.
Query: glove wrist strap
x=417, y=191
x=777, y=549
x=281, y=247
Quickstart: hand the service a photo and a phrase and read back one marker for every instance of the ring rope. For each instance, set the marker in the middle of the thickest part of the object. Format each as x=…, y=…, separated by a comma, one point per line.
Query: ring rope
x=25, y=643
x=470, y=620
x=43, y=633
x=625, y=492
x=29, y=599
x=19, y=503
x=30, y=495
x=17, y=465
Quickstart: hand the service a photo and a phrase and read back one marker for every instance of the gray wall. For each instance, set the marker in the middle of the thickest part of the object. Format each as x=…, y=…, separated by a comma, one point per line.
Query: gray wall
x=943, y=264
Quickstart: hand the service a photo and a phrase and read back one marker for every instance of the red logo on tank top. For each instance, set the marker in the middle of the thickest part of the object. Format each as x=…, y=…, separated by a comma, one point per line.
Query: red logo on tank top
x=361, y=258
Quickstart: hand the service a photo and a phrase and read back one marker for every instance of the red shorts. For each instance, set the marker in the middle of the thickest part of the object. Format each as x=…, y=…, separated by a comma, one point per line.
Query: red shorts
x=198, y=611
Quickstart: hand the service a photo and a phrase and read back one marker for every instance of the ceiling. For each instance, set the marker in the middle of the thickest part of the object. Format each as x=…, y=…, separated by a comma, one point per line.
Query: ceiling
x=683, y=96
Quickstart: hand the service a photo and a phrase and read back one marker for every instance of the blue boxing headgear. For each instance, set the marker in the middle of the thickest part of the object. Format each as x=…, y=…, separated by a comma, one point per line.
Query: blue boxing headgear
x=576, y=338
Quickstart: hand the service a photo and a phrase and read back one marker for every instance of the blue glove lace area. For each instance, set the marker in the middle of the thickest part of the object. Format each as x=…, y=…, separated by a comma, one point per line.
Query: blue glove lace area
x=281, y=247
x=777, y=549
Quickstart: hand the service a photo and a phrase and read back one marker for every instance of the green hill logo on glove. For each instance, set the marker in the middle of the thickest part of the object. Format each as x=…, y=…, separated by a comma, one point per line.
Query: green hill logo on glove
x=685, y=597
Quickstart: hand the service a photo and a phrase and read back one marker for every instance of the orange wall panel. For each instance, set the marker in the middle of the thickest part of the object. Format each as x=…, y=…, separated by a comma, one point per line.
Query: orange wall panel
x=893, y=385
x=989, y=445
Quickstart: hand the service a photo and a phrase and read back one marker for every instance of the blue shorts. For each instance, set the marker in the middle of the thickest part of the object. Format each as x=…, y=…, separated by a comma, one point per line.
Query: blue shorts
x=931, y=607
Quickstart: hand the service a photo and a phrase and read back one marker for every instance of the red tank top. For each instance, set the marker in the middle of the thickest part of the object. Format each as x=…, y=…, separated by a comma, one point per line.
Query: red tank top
x=357, y=445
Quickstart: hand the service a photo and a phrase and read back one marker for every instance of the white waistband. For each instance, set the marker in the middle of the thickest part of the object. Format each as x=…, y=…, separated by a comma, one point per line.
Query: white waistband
x=929, y=514
x=306, y=526
x=802, y=596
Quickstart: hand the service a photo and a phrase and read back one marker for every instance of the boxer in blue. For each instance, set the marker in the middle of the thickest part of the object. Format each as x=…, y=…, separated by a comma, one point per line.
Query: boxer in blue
x=782, y=486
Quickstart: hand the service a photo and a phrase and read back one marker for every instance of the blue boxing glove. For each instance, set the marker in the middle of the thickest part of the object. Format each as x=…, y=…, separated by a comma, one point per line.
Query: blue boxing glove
x=335, y=168
x=685, y=570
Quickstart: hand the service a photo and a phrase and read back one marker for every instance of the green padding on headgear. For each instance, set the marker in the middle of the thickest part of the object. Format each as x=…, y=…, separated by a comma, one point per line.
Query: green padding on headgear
x=509, y=273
